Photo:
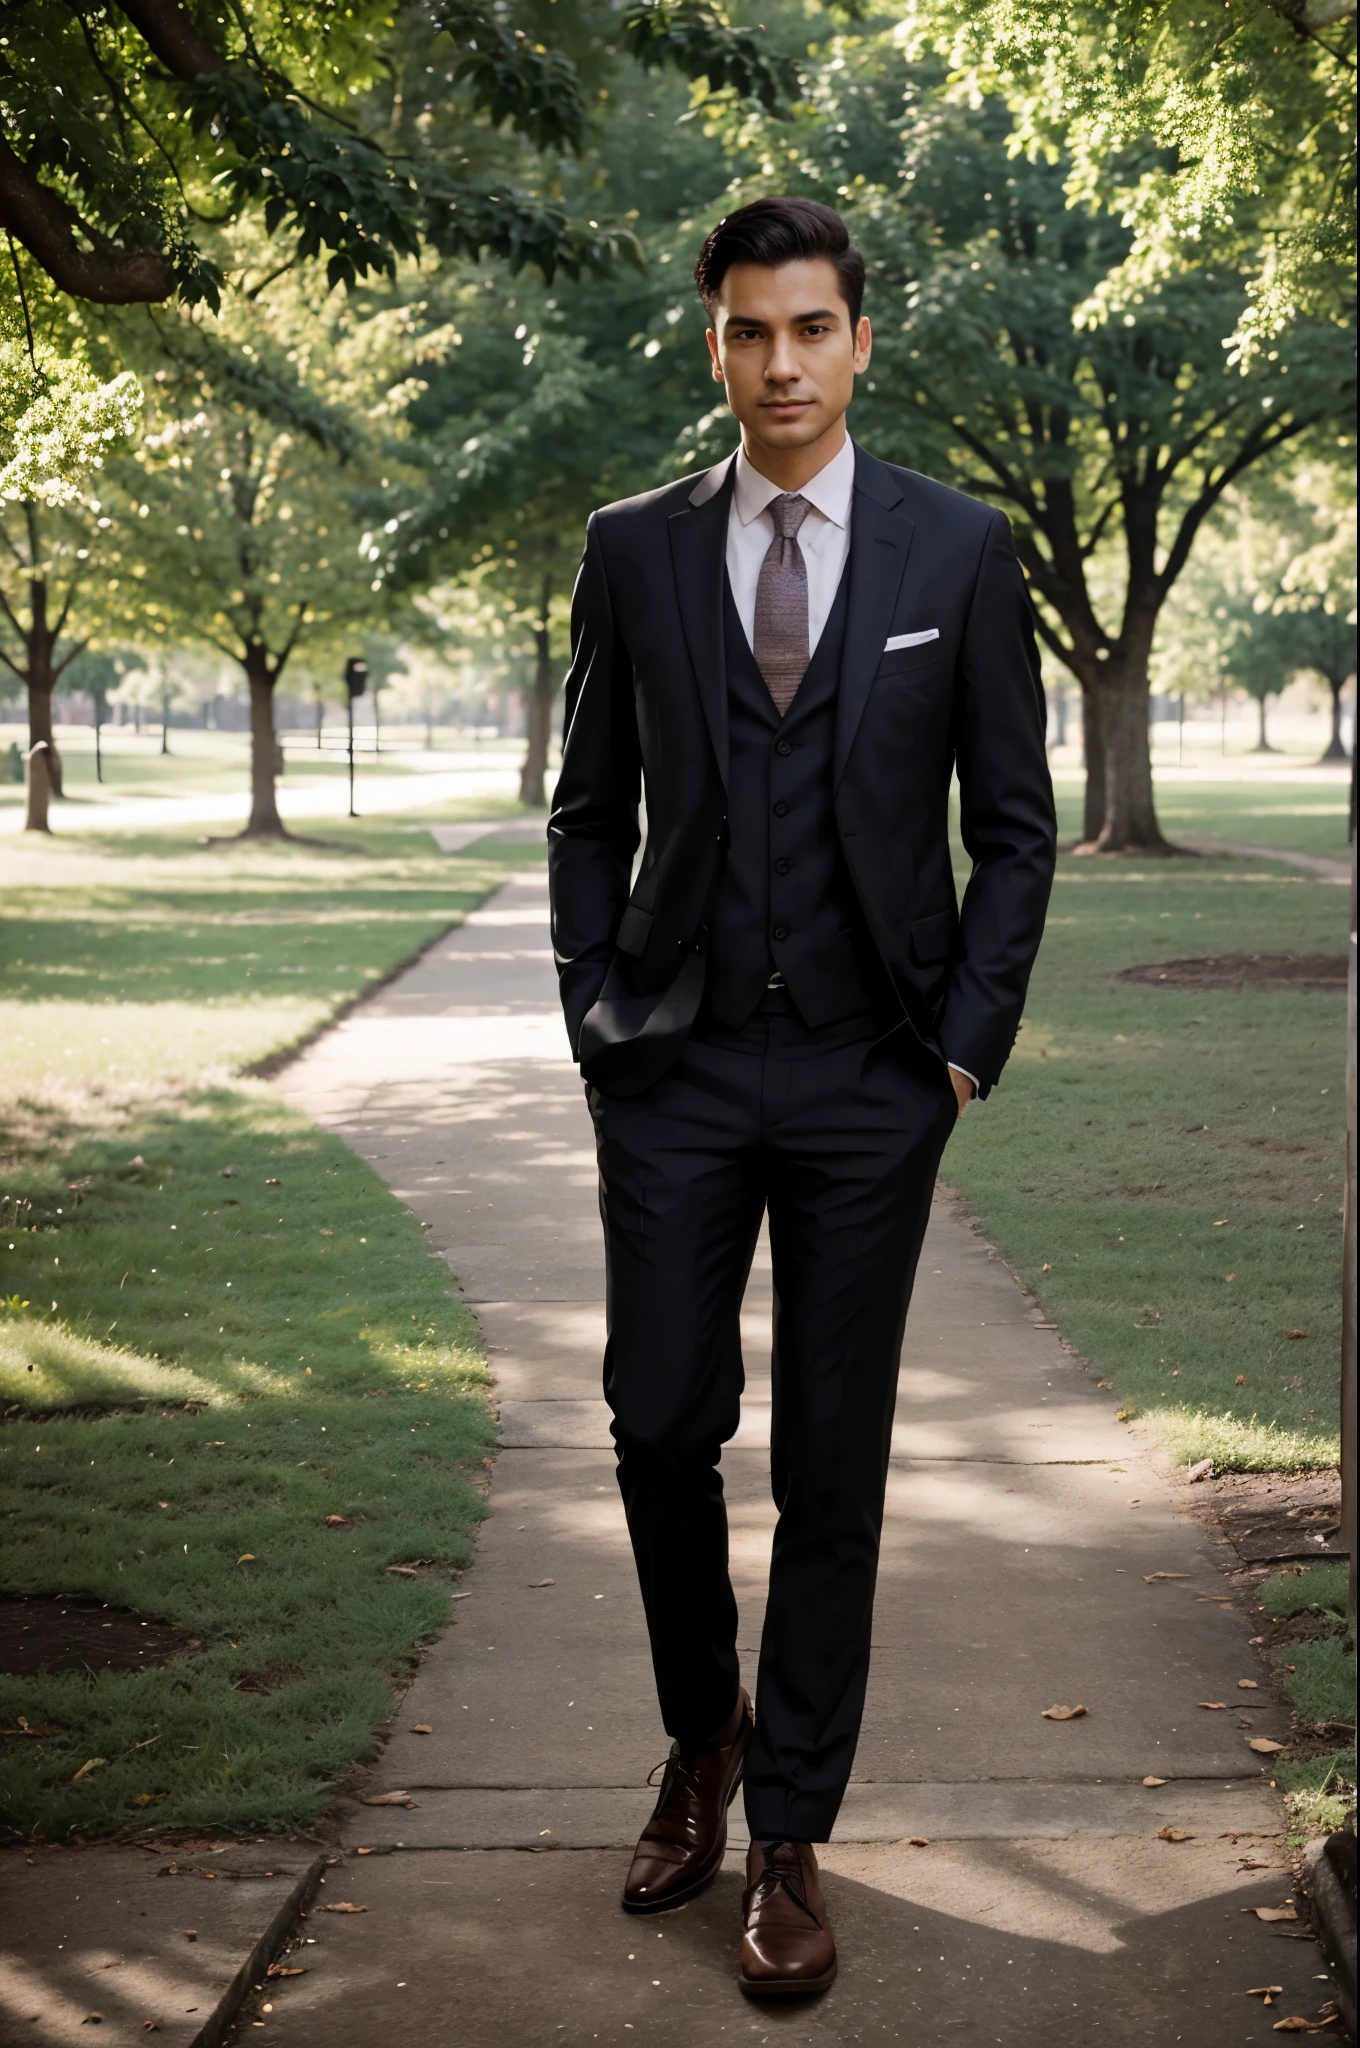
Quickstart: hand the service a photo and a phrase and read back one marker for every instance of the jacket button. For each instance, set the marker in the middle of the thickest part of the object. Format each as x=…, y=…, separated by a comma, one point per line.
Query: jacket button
x=781, y=867
x=781, y=810
x=781, y=931
x=783, y=746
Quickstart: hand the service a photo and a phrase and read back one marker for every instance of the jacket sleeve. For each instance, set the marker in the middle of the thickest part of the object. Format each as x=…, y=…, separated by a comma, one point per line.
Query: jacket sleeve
x=593, y=828
x=1006, y=814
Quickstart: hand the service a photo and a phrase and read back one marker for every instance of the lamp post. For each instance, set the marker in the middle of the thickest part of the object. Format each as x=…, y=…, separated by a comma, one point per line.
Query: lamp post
x=356, y=682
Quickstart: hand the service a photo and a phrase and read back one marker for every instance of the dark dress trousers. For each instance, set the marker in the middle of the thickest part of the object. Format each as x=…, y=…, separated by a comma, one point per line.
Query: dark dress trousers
x=811, y=850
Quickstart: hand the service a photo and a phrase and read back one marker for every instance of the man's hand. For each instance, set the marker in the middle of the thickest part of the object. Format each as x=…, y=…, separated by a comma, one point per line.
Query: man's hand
x=963, y=1088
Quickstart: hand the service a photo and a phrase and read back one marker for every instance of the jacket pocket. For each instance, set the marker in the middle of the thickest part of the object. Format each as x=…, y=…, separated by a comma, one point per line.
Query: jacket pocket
x=932, y=938
x=902, y=661
x=635, y=928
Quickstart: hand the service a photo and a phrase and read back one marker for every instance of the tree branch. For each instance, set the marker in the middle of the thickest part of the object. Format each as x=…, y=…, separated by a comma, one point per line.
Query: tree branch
x=48, y=229
x=172, y=35
x=1261, y=442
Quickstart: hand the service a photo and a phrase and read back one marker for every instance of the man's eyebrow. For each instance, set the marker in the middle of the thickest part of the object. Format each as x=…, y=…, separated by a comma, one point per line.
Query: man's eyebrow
x=799, y=319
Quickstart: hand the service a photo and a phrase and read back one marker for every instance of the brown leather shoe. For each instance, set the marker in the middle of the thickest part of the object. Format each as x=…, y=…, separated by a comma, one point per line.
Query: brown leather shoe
x=787, y=1949
x=681, y=1848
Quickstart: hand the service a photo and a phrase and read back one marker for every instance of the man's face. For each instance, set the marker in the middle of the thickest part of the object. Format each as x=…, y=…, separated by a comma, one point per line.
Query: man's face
x=783, y=344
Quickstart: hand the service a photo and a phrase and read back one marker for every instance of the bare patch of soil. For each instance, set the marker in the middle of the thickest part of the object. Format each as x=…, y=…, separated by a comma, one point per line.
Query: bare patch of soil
x=1275, y=1517
x=49, y=1632
x=1309, y=973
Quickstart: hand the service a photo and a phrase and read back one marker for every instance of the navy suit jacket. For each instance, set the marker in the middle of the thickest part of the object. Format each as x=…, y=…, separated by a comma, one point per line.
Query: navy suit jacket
x=646, y=712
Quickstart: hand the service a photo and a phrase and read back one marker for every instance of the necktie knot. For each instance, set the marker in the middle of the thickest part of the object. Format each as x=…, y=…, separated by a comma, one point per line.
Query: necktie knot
x=788, y=513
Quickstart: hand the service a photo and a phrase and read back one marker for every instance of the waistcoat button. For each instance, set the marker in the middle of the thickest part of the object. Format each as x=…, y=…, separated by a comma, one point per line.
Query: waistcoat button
x=783, y=747
x=781, y=931
x=781, y=867
x=781, y=810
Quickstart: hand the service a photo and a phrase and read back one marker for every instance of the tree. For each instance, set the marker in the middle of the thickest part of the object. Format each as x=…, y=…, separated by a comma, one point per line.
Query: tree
x=58, y=423
x=1219, y=134
x=1257, y=657
x=1109, y=442
x=241, y=524
x=1323, y=640
x=133, y=129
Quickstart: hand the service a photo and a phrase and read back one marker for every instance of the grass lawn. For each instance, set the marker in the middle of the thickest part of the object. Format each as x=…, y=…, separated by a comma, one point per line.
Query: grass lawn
x=1164, y=1168
x=170, y=1234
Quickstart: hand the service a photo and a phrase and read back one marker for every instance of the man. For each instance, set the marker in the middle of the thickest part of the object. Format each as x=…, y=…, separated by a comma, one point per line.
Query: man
x=783, y=1014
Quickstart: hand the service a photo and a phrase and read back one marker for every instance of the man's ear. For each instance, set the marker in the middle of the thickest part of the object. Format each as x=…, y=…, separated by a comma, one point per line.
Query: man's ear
x=711, y=338
x=864, y=344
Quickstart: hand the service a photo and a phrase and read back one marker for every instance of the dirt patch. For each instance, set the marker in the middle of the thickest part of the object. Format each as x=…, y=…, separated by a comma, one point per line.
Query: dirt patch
x=1309, y=973
x=1275, y=1517
x=47, y=1632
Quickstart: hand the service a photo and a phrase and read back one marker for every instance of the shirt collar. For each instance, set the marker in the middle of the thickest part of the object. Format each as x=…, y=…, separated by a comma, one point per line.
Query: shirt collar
x=830, y=491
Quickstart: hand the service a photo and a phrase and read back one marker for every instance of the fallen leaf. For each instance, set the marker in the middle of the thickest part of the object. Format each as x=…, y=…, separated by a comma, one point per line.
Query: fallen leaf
x=92, y=1764
x=1203, y=1470
x=1241, y=1380
x=918, y=1841
x=1214, y=1706
x=1121, y=1415
x=273, y=1182
x=1136, y=1503
x=151, y=2026
x=162, y=1503
x=189, y=1933
x=1270, y=1992
x=1289, y=1911
x=246, y=1557
x=1151, y=1578
x=1174, y=1835
x=1296, y=1333
x=1251, y=1863
x=1296, y=2024
x=43, y=1728
x=388, y=1799
x=363, y=1852
x=1247, y=1685
x=1155, y=1781
x=284, y=1970
x=542, y=1582
x=344, y=1906
x=422, y=1728
x=1062, y=1713
x=144, y=1799
x=460, y=1596
x=336, y=1522
x=1263, y=1745
x=92, y=2019
x=403, y=1571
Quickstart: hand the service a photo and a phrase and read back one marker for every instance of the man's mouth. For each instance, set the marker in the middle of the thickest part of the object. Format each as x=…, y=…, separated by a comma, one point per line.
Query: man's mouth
x=787, y=406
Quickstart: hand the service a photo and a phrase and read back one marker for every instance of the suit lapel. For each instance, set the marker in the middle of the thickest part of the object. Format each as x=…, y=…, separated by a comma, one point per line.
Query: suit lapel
x=699, y=558
x=880, y=540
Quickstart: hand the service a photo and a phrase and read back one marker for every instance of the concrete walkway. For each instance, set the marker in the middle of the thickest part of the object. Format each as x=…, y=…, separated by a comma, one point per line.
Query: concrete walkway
x=1023, y=1524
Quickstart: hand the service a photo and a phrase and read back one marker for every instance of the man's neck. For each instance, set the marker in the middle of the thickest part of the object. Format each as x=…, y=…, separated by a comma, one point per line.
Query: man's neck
x=791, y=468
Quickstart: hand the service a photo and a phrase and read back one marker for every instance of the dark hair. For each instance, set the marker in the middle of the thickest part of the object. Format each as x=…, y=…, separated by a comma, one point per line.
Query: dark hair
x=772, y=232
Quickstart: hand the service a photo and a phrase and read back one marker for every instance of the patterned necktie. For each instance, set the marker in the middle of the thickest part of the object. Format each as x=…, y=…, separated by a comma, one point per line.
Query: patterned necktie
x=781, y=635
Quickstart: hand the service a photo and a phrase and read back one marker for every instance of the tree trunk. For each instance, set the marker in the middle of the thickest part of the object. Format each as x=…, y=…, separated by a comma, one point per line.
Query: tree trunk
x=1336, y=746
x=265, y=822
x=532, y=778
x=1093, y=751
x=165, y=725
x=1263, y=745
x=1130, y=824
x=44, y=762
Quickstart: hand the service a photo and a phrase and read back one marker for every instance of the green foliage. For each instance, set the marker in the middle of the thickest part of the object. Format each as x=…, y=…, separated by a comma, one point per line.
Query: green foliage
x=135, y=134
x=1171, y=119
x=699, y=42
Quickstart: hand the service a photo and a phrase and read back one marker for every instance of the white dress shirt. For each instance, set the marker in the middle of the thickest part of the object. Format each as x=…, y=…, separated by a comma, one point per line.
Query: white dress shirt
x=824, y=536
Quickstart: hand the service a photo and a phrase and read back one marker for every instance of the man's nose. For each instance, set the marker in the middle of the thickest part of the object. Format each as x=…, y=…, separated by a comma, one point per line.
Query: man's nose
x=783, y=366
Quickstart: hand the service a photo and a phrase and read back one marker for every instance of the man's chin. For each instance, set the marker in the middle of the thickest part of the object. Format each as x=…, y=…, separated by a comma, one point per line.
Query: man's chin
x=792, y=433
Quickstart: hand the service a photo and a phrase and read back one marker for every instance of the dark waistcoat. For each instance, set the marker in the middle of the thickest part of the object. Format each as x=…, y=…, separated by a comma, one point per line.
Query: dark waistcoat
x=785, y=899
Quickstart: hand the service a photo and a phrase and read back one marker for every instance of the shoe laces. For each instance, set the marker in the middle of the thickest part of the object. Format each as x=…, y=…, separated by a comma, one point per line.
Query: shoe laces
x=786, y=1875
x=678, y=1775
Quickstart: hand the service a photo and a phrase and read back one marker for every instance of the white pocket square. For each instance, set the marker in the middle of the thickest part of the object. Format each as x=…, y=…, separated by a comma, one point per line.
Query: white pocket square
x=896, y=640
